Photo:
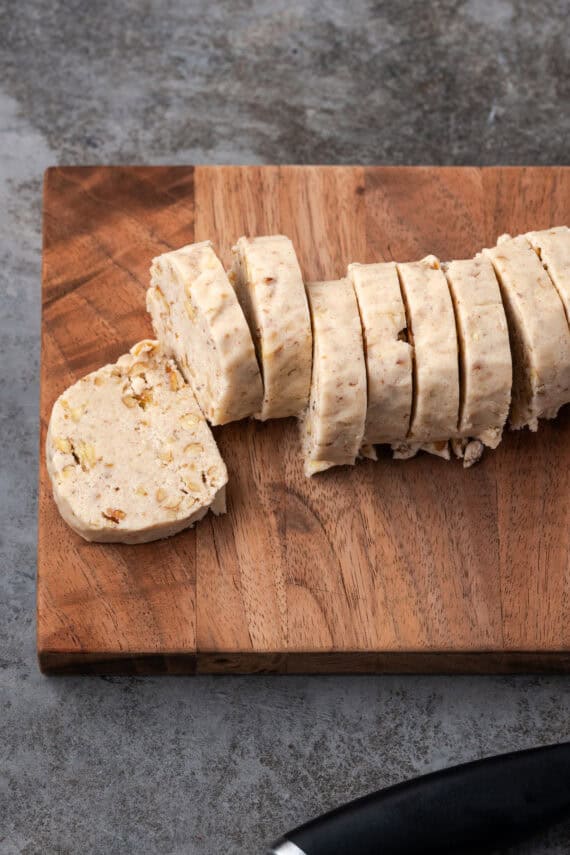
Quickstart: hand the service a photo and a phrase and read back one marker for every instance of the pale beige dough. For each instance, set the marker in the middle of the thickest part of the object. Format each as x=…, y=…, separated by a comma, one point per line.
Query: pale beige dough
x=333, y=426
x=387, y=352
x=471, y=450
x=269, y=286
x=130, y=456
x=198, y=320
x=485, y=354
x=538, y=333
x=432, y=333
x=553, y=248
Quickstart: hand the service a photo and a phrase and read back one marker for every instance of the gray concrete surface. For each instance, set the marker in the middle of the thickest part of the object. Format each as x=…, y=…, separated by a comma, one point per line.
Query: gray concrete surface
x=223, y=765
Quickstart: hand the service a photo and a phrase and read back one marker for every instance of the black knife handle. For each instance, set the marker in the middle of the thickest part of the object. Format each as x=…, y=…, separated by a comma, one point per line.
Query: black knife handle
x=465, y=809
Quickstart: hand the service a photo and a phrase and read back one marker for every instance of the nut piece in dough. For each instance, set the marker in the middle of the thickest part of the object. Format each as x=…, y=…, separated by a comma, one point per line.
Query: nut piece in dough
x=120, y=473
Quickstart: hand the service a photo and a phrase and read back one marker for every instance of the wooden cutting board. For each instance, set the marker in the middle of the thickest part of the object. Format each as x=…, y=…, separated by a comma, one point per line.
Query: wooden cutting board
x=414, y=566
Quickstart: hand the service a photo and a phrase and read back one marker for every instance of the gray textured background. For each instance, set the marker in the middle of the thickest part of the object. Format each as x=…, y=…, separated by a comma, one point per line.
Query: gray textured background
x=222, y=765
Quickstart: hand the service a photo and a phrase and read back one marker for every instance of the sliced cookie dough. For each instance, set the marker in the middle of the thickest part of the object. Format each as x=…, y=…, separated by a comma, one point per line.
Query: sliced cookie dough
x=387, y=351
x=538, y=333
x=130, y=456
x=484, y=355
x=433, y=335
x=198, y=320
x=269, y=286
x=333, y=425
x=553, y=248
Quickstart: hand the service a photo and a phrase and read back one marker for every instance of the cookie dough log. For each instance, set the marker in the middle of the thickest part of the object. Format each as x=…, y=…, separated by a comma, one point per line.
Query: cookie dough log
x=484, y=355
x=333, y=425
x=553, y=248
x=130, y=456
x=198, y=320
x=433, y=335
x=388, y=355
x=269, y=286
x=538, y=333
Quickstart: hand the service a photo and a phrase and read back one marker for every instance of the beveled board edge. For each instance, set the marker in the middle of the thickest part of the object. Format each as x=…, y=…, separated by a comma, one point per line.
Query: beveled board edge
x=358, y=662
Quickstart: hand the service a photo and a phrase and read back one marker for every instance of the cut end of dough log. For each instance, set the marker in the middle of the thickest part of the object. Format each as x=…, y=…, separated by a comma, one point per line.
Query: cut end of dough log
x=130, y=456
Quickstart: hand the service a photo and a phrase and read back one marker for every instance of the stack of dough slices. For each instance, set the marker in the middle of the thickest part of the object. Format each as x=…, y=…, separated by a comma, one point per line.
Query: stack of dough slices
x=423, y=355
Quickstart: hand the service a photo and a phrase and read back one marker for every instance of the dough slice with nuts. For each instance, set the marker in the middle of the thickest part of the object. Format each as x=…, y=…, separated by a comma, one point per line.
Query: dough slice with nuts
x=433, y=335
x=553, y=248
x=269, y=285
x=388, y=354
x=130, y=456
x=333, y=425
x=484, y=353
x=198, y=321
x=538, y=333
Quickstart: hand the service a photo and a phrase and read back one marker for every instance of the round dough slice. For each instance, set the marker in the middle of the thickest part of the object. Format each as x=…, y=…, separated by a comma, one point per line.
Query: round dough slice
x=333, y=425
x=198, y=320
x=130, y=456
x=387, y=352
x=538, y=333
x=433, y=335
x=553, y=248
x=269, y=286
x=484, y=351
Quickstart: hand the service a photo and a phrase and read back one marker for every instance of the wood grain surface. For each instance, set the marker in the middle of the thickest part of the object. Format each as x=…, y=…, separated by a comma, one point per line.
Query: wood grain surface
x=403, y=566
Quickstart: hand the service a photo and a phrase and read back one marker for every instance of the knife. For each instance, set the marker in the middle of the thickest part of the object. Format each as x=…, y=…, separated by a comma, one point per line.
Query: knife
x=470, y=808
